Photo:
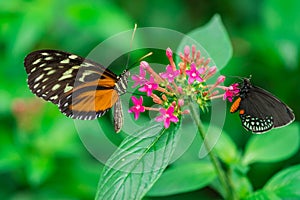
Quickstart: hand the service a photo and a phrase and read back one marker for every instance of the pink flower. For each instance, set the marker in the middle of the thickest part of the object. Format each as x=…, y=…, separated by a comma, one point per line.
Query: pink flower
x=167, y=116
x=139, y=79
x=169, y=53
x=180, y=102
x=170, y=74
x=144, y=65
x=212, y=70
x=194, y=74
x=149, y=86
x=220, y=79
x=186, y=51
x=231, y=92
x=137, y=108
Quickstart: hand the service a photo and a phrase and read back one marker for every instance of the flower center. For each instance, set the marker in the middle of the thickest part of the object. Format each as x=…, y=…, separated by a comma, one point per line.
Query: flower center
x=194, y=74
x=138, y=107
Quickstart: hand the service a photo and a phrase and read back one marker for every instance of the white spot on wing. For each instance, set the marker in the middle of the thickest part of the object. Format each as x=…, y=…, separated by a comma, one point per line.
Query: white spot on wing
x=37, y=61
x=47, y=68
x=42, y=65
x=33, y=69
x=81, y=78
x=84, y=74
x=65, y=61
x=54, y=97
x=68, y=88
x=49, y=58
x=65, y=77
x=73, y=56
x=86, y=64
x=36, y=85
x=51, y=72
x=55, y=87
x=69, y=71
x=39, y=78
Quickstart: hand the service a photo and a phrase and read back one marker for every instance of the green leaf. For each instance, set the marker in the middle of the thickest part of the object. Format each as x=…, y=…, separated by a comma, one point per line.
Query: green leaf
x=276, y=145
x=138, y=163
x=10, y=158
x=214, y=39
x=38, y=169
x=183, y=178
x=263, y=195
x=286, y=183
x=240, y=181
x=226, y=149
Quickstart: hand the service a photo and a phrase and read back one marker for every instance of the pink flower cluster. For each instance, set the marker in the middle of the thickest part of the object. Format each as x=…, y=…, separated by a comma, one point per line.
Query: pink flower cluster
x=231, y=91
x=177, y=85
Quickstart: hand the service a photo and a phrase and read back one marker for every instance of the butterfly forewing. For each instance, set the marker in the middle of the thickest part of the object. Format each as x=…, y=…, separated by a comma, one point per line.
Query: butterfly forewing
x=81, y=88
x=272, y=106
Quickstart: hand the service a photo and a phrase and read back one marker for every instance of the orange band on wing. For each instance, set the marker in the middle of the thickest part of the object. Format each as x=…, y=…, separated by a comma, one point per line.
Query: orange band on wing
x=235, y=105
x=94, y=101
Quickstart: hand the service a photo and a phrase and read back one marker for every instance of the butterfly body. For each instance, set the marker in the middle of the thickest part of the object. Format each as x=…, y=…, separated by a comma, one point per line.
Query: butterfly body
x=81, y=88
x=259, y=110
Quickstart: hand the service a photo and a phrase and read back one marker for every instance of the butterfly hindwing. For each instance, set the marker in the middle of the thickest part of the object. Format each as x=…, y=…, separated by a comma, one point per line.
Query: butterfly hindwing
x=254, y=116
x=82, y=89
x=118, y=116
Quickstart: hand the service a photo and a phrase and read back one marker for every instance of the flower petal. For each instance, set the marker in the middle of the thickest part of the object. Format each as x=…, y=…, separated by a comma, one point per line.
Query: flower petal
x=174, y=119
x=134, y=100
x=167, y=123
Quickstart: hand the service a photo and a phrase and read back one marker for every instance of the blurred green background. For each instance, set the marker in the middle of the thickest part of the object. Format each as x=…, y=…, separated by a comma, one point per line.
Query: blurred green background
x=41, y=155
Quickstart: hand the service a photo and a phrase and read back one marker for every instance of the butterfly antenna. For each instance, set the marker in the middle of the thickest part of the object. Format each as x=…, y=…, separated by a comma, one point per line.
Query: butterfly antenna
x=131, y=44
x=142, y=58
x=238, y=77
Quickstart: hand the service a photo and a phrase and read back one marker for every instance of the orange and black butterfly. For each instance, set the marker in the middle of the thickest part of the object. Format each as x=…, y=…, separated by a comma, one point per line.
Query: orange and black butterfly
x=81, y=88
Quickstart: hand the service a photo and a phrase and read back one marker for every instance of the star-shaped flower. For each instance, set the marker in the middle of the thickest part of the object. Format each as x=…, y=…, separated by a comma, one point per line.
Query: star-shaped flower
x=149, y=86
x=194, y=74
x=170, y=74
x=139, y=79
x=167, y=116
x=137, y=108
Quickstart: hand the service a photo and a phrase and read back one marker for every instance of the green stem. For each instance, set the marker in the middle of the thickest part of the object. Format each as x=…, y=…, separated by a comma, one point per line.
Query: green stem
x=221, y=174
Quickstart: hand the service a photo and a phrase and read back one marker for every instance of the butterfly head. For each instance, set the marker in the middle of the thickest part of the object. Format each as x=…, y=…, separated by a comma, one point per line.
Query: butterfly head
x=125, y=74
x=246, y=83
x=246, y=86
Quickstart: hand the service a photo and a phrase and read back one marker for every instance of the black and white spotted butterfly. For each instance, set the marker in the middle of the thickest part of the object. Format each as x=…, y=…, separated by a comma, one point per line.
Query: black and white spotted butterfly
x=81, y=88
x=259, y=110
